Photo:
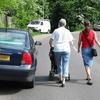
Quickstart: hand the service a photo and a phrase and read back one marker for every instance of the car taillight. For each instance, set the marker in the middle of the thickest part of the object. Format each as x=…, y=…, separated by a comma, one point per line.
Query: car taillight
x=27, y=59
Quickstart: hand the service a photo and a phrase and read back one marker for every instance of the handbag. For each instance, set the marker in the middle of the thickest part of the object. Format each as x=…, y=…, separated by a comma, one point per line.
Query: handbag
x=94, y=51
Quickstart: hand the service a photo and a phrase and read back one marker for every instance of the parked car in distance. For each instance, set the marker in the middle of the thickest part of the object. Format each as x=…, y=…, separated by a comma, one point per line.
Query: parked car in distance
x=40, y=25
x=96, y=26
x=18, y=56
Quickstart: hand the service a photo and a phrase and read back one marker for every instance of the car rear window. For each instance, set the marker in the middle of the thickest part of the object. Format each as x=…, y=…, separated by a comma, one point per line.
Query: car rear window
x=12, y=40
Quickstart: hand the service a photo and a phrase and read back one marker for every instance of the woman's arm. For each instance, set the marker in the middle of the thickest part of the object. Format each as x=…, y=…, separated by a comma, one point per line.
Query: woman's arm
x=79, y=42
x=96, y=40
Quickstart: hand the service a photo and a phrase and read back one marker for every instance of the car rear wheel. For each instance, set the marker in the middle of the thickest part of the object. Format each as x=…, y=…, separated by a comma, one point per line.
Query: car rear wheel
x=30, y=84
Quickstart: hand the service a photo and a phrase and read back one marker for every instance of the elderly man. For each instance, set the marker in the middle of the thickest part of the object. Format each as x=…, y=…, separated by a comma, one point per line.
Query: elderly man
x=61, y=39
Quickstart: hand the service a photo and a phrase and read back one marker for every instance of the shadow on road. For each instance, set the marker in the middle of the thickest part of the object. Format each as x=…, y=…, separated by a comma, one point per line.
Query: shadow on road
x=78, y=81
x=7, y=88
x=44, y=80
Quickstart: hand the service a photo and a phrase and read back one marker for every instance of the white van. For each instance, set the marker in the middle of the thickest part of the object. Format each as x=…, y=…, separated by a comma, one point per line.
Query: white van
x=40, y=25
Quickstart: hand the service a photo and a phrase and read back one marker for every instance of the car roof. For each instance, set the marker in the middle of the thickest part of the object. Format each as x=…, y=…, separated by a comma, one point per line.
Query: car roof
x=13, y=30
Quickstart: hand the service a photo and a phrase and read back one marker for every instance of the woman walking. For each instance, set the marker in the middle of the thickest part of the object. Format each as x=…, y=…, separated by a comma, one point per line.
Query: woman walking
x=88, y=39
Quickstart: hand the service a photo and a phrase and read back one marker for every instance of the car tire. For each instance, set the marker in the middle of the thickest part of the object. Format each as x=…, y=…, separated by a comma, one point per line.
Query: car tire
x=40, y=30
x=30, y=84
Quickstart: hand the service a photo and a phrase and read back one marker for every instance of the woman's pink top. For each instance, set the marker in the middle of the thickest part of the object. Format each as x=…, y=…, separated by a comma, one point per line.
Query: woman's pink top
x=90, y=38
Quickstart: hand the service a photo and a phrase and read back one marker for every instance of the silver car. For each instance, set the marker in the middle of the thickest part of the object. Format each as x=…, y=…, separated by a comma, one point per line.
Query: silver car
x=96, y=26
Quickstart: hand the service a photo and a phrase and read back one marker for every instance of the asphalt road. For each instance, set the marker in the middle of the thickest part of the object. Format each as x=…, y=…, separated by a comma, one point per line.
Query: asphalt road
x=75, y=89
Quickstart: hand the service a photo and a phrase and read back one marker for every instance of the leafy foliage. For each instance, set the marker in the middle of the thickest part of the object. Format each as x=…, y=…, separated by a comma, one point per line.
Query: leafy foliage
x=74, y=11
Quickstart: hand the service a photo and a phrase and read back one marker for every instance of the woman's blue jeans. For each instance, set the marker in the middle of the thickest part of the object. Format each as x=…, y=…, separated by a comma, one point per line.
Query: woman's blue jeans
x=62, y=61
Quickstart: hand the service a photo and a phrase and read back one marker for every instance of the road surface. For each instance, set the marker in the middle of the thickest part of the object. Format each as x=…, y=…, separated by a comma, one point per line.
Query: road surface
x=75, y=89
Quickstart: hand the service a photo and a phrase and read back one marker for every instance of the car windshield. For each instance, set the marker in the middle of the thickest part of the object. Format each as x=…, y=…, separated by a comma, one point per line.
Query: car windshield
x=12, y=40
x=35, y=22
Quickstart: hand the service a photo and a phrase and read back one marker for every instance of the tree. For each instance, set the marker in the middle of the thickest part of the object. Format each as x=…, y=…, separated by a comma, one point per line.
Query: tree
x=63, y=9
x=22, y=11
x=72, y=9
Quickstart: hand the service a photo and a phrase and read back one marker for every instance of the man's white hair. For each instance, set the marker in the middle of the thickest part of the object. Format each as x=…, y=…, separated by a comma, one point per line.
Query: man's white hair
x=62, y=22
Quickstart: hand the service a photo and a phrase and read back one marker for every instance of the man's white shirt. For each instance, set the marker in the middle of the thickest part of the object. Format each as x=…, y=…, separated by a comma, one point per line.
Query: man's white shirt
x=61, y=39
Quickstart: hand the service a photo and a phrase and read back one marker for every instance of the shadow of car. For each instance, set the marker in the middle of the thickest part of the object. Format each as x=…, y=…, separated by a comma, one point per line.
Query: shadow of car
x=18, y=56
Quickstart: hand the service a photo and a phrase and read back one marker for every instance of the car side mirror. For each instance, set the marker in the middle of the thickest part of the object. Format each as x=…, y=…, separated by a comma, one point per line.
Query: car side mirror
x=38, y=43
